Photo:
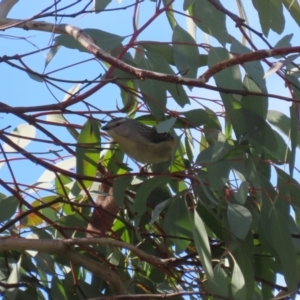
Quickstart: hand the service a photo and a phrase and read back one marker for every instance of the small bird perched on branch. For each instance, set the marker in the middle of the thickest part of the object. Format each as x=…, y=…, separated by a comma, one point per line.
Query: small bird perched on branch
x=141, y=142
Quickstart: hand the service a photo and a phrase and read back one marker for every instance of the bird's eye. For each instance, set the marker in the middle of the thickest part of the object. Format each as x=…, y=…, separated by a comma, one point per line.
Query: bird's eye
x=117, y=124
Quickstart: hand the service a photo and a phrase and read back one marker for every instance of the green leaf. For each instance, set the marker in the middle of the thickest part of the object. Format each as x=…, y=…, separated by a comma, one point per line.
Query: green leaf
x=170, y=13
x=187, y=4
x=265, y=268
x=240, y=220
x=144, y=191
x=292, y=184
x=100, y=5
x=229, y=77
x=197, y=117
x=58, y=289
x=166, y=125
x=120, y=185
x=52, y=52
x=218, y=174
x=44, y=262
x=210, y=20
x=107, y=41
x=202, y=244
x=219, y=285
x=214, y=153
x=35, y=76
x=177, y=223
x=243, y=258
x=176, y=90
x=270, y=15
x=185, y=52
x=281, y=122
x=261, y=103
x=189, y=145
x=284, y=247
x=88, y=150
x=284, y=42
x=60, y=185
x=154, y=92
x=8, y=207
x=129, y=99
x=262, y=136
x=162, y=49
x=209, y=217
x=241, y=194
x=253, y=68
x=293, y=8
x=293, y=135
x=238, y=286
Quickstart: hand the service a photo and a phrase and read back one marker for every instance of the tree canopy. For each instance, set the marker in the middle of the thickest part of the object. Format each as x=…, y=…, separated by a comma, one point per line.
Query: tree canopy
x=80, y=219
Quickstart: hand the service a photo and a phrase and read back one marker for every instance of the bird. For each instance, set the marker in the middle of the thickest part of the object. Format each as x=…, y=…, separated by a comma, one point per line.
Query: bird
x=140, y=142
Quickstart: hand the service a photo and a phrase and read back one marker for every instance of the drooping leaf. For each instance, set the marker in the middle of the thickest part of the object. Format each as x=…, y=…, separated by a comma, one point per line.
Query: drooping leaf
x=177, y=223
x=22, y=130
x=245, y=264
x=154, y=93
x=256, y=104
x=164, y=50
x=293, y=8
x=88, y=150
x=219, y=285
x=238, y=286
x=8, y=207
x=58, y=289
x=143, y=192
x=293, y=136
x=210, y=20
x=281, y=64
x=218, y=174
x=189, y=145
x=52, y=52
x=197, y=117
x=214, y=153
x=270, y=15
x=201, y=242
x=170, y=13
x=281, y=122
x=284, y=42
x=229, y=77
x=119, y=186
x=185, y=52
x=176, y=90
x=100, y=5
x=242, y=192
x=240, y=219
x=166, y=125
x=129, y=98
x=283, y=245
x=254, y=68
x=106, y=40
x=187, y=4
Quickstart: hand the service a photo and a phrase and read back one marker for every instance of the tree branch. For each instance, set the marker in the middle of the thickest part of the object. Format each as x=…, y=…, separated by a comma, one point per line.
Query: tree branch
x=6, y=6
x=87, y=42
x=60, y=247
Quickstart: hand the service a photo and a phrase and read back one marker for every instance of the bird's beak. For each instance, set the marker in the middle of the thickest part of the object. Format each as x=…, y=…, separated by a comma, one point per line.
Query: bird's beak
x=105, y=128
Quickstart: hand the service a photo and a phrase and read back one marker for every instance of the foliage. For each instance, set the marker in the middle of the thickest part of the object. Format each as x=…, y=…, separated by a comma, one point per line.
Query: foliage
x=221, y=223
